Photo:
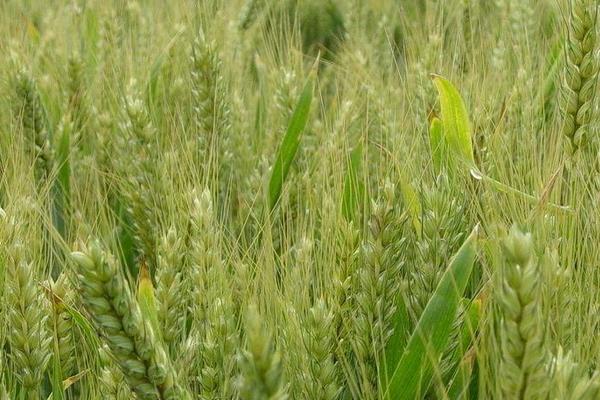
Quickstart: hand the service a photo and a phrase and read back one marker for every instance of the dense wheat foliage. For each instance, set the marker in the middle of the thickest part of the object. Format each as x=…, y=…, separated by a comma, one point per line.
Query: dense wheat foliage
x=299, y=199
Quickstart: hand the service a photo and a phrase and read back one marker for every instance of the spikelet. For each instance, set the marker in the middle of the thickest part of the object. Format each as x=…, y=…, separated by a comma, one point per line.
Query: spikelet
x=319, y=340
x=214, y=328
x=210, y=107
x=169, y=287
x=61, y=296
x=286, y=92
x=581, y=72
x=346, y=251
x=347, y=257
x=220, y=338
x=558, y=296
x=204, y=251
x=260, y=364
x=444, y=224
x=28, y=313
x=35, y=124
x=140, y=188
x=376, y=289
x=522, y=371
x=141, y=356
x=570, y=381
x=112, y=379
x=218, y=347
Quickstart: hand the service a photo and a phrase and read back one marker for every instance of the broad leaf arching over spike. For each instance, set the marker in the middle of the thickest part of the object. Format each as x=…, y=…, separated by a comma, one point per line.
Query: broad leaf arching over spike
x=412, y=375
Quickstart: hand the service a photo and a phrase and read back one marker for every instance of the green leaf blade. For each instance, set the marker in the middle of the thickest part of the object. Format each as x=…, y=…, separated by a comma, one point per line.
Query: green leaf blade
x=353, y=189
x=397, y=342
x=412, y=202
x=464, y=358
x=437, y=145
x=428, y=340
x=290, y=143
x=62, y=203
x=455, y=120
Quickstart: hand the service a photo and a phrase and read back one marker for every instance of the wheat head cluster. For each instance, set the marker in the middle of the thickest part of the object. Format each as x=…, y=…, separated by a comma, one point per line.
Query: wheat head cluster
x=300, y=199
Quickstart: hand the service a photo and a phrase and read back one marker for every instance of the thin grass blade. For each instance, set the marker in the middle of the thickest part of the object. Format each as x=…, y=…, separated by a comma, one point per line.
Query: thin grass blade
x=291, y=142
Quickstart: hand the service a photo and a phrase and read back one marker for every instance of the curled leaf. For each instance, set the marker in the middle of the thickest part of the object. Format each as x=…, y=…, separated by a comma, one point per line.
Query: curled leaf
x=455, y=121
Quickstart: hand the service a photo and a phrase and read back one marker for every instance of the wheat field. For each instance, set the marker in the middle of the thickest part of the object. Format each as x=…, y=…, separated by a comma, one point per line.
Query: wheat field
x=299, y=199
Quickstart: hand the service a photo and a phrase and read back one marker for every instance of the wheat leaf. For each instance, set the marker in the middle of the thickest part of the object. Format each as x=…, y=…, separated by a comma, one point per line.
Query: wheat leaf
x=455, y=120
x=437, y=145
x=353, y=188
x=291, y=142
x=428, y=340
